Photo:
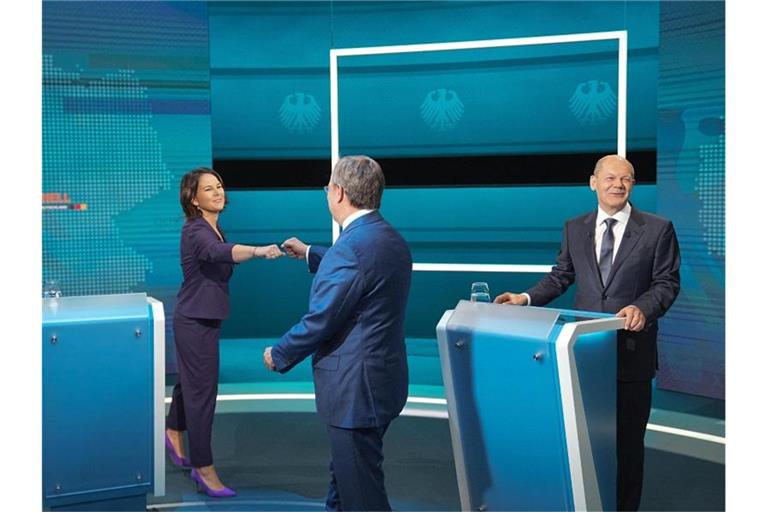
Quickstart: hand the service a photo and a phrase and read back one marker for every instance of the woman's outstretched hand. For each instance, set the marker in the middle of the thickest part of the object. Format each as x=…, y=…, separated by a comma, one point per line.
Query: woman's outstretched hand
x=269, y=252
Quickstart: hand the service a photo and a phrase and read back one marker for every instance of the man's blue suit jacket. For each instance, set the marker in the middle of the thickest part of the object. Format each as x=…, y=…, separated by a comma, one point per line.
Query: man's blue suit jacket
x=354, y=326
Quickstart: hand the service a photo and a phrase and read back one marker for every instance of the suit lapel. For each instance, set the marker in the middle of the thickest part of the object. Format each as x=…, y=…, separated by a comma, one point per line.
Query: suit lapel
x=588, y=247
x=632, y=235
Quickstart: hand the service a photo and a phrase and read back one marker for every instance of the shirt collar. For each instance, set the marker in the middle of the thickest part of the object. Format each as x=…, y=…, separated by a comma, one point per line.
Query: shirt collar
x=622, y=216
x=353, y=217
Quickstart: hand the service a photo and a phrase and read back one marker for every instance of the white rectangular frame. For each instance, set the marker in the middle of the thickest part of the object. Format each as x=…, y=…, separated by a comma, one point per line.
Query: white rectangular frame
x=621, y=128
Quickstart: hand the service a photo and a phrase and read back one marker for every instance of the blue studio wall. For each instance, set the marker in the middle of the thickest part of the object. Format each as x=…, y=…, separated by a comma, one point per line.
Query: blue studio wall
x=126, y=111
x=137, y=93
x=265, y=55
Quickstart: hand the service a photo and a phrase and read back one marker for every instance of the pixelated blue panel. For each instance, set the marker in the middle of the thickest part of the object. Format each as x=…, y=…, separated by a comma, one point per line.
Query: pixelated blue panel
x=691, y=192
x=126, y=112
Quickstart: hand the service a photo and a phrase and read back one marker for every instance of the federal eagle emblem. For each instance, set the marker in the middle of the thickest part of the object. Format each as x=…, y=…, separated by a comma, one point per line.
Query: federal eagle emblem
x=593, y=102
x=300, y=112
x=442, y=109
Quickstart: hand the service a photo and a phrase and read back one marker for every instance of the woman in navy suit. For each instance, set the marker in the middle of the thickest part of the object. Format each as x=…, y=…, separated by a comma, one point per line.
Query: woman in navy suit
x=207, y=261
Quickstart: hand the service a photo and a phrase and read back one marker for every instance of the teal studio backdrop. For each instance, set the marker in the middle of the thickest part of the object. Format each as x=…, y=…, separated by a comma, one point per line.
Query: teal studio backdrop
x=137, y=93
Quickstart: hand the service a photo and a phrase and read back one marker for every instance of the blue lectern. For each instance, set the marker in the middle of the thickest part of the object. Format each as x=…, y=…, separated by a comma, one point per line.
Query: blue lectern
x=531, y=398
x=103, y=401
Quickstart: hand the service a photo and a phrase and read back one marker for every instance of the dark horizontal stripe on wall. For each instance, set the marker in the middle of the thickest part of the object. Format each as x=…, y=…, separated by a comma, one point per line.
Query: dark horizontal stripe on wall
x=164, y=62
x=127, y=106
x=152, y=84
x=512, y=64
x=454, y=171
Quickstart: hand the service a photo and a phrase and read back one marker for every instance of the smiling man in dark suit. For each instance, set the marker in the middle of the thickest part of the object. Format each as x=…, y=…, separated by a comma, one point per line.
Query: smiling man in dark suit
x=627, y=262
x=354, y=330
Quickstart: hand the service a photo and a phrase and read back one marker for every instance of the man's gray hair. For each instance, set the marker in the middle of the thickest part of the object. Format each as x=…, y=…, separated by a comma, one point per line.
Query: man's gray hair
x=362, y=179
x=620, y=158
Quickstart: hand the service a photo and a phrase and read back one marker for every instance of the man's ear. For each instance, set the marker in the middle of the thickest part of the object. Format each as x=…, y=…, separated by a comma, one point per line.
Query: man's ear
x=340, y=194
x=593, y=182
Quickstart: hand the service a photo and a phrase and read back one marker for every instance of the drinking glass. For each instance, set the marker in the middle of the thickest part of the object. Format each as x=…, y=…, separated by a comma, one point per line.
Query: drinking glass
x=480, y=292
x=51, y=290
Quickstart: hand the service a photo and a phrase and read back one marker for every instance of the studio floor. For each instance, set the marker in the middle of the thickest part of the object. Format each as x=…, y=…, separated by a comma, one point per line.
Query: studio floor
x=270, y=446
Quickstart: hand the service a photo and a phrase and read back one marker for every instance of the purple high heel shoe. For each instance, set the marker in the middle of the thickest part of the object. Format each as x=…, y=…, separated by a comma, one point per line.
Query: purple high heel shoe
x=226, y=492
x=182, y=462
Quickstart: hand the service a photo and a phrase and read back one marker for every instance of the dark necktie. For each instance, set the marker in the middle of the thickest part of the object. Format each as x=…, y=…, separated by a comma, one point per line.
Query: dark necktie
x=606, y=250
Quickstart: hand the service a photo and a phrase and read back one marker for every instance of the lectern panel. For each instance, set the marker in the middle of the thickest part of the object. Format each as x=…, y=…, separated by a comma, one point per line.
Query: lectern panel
x=531, y=404
x=97, y=398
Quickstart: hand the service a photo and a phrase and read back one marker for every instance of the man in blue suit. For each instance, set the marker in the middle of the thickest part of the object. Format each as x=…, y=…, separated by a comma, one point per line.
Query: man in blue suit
x=627, y=262
x=354, y=332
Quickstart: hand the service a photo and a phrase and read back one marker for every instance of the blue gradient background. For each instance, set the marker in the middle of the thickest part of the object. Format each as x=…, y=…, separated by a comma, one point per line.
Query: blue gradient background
x=137, y=93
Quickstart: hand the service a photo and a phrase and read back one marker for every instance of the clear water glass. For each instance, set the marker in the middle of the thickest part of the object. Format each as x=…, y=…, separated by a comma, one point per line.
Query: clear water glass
x=480, y=292
x=51, y=290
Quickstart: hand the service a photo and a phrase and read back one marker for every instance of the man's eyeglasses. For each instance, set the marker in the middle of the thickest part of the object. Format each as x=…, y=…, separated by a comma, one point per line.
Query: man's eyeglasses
x=625, y=180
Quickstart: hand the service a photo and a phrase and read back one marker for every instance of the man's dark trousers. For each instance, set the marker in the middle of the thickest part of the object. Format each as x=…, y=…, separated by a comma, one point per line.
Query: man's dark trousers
x=357, y=459
x=633, y=407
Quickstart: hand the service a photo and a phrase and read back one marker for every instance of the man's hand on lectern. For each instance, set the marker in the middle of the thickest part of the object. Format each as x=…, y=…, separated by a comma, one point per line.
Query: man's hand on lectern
x=513, y=299
x=634, y=318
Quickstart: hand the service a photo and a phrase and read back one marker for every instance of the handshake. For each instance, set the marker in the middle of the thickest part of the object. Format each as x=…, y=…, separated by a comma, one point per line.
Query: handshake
x=293, y=247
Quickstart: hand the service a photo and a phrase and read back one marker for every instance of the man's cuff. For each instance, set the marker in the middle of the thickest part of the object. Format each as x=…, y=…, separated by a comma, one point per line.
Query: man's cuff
x=527, y=297
x=279, y=359
x=306, y=255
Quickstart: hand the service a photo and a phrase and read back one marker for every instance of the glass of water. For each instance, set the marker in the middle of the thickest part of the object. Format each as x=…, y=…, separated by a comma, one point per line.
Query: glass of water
x=51, y=290
x=480, y=292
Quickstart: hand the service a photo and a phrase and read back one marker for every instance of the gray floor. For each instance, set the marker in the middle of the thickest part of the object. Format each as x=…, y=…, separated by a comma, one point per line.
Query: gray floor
x=278, y=461
x=275, y=453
